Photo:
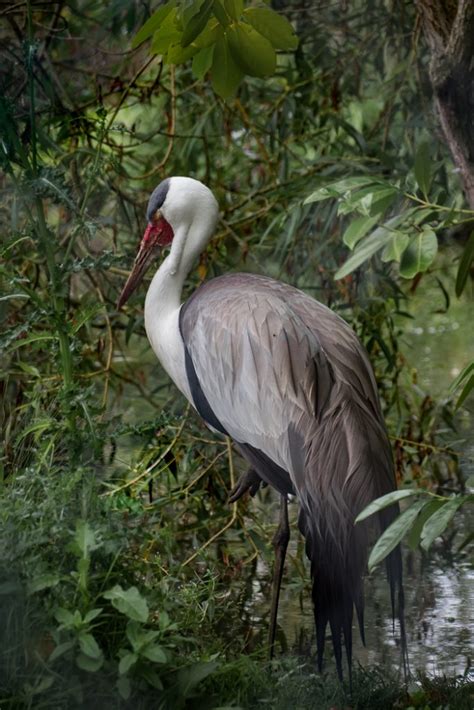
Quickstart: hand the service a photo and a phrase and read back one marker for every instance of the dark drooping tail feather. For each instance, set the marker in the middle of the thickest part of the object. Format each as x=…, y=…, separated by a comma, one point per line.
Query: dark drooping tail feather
x=347, y=464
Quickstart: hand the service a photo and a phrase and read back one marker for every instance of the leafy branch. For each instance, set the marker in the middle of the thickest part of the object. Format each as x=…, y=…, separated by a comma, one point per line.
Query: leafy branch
x=221, y=36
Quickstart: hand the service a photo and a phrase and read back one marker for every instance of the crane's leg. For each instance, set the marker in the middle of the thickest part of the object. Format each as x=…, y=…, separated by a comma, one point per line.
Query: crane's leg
x=280, y=543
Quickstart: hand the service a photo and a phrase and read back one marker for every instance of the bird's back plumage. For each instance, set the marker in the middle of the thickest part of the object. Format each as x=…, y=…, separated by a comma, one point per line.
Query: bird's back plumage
x=289, y=381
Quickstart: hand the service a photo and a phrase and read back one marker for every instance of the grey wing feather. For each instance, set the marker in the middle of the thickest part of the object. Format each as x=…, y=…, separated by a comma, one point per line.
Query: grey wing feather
x=290, y=382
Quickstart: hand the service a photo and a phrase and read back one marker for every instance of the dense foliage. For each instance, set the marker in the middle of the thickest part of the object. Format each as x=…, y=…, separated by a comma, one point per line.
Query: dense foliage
x=124, y=573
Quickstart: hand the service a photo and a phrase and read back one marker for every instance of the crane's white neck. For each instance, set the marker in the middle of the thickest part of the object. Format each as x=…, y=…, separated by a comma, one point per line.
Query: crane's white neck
x=164, y=293
x=163, y=299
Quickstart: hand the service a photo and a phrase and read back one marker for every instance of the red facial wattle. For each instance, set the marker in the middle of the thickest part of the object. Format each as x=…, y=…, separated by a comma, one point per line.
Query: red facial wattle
x=159, y=233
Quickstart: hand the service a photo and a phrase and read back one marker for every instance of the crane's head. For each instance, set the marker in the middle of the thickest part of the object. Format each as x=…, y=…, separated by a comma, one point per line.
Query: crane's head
x=181, y=212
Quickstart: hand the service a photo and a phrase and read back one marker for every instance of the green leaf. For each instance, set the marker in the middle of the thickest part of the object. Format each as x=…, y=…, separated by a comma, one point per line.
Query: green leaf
x=438, y=523
x=202, y=62
x=419, y=254
x=152, y=678
x=89, y=646
x=251, y=51
x=190, y=676
x=35, y=428
x=339, y=188
x=357, y=229
x=65, y=617
x=178, y=55
x=234, y=8
x=394, y=533
x=197, y=23
x=91, y=615
x=465, y=265
x=467, y=389
x=138, y=636
x=124, y=688
x=188, y=9
x=129, y=602
x=369, y=245
x=423, y=167
x=167, y=34
x=225, y=74
x=378, y=201
x=208, y=36
x=220, y=13
x=467, y=541
x=153, y=23
x=44, y=581
x=85, y=539
x=61, y=649
x=154, y=653
x=21, y=342
x=396, y=246
x=431, y=507
x=89, y=664
x=127, y=662
x=383, y=502
x=273, y=26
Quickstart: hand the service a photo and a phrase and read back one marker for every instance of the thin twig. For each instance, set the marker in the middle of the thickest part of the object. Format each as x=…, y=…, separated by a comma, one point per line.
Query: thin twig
x=233, y=517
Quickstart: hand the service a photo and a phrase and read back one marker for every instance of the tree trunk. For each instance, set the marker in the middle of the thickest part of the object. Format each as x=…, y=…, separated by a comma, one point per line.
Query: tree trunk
x=449, y=28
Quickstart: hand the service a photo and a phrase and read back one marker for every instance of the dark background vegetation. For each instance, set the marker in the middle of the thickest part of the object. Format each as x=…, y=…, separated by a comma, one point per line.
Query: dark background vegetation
x=123, y=570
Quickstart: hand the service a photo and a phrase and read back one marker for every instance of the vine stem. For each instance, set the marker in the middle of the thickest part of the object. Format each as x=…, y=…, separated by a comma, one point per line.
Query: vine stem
x=233, y=517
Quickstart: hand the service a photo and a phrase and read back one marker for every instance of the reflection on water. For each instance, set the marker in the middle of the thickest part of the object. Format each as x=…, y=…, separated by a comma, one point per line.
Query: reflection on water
x=439, y=620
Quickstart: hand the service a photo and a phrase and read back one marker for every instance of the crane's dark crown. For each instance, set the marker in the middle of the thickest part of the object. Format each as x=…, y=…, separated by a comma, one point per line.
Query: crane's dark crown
x=157, y=197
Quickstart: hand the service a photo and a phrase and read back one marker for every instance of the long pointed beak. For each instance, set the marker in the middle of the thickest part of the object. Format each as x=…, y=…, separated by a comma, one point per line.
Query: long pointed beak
x=142, y=261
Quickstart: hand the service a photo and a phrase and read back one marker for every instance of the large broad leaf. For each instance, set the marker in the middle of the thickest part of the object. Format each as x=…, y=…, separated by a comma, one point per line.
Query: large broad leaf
x=383, y=502
x=394, y=533
x=438, y=523
x=43, y=581
x=155, y=653
x=126, y=662
x=89, y=646
x=375, y=202
x=85, y=540
x=234, y=8
x=178, y=54
x=188, y=9
x=197, y=23
x=419, y=254
x=208, y=36
x=251, y=51
x=357, y=229
x=368, y=246
x=86, y=663
x=273, y=26
x=225, y=74
x=153, y=23
x=129, y=602
x=423, y=161
x=339, y=188
x=465, y=265
x=167, y=34
x=220, y=13
x=190, y=676
x=396, y=246
x=431, y=507
x=202, y=62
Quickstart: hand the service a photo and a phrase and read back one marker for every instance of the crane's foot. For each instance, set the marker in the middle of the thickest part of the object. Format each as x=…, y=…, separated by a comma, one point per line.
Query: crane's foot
x=280, y=543
x=249, y=481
